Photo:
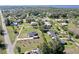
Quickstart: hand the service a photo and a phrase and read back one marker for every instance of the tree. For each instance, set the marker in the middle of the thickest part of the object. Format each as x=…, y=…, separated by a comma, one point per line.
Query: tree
x=7, y=22
x=51, y=47
x=19, y=49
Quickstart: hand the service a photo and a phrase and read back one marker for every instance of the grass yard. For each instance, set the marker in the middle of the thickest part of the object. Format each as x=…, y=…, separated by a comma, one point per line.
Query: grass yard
x=11, y=29
x=71, y=25
x=11, y=33
x=48, y=38
x=70, y=48
x=28, y=45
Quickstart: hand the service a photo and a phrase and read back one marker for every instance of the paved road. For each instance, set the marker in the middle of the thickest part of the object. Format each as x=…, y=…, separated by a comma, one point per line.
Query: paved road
x=9, y=46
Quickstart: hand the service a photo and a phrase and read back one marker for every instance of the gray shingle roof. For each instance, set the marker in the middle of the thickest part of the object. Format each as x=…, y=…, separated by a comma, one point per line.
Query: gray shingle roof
x=31, y=34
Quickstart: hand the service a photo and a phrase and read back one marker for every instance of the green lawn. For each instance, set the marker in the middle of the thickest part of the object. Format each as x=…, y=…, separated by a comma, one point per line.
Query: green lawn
x=71, y=25
x=48, y=38
x=11, y=33
x=31, y=44
x=70, y=48
x=28, y=44
x=70, y=45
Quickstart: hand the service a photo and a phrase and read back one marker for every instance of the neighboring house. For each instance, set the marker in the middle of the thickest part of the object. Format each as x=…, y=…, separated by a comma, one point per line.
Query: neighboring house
x=63, y=32
x=47, y=24
x=34, y=51
x=24, y=20
x=58, y=20
x=69, y=37
x=14, y=23
x=64, y=24
x=29, y=20
x=46, y=19
x=34, y=23
x=33, y=34
x=18, y=20
x=52, y=34
x=63, y=42
x=67, y=19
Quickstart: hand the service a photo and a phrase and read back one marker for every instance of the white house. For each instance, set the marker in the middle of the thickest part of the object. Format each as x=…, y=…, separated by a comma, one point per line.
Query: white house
x=64, y=24
x=47, y=24
x=52, y=34
x=34, y=23
x=58, y=19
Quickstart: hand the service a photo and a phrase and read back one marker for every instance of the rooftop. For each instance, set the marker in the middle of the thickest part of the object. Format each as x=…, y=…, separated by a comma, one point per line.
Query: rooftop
x=31, y=34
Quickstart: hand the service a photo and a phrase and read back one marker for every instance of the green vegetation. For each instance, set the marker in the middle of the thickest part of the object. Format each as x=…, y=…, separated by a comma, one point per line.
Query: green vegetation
x=11, y=33
x=55, y=16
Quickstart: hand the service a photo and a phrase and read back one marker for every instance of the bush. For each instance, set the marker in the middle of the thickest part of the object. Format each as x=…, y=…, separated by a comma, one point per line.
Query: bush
x=71, y=33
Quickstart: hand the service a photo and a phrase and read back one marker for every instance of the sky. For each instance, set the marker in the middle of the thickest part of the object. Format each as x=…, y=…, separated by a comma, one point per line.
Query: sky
x=66, y=6
x=61, y=3
x=39, y=2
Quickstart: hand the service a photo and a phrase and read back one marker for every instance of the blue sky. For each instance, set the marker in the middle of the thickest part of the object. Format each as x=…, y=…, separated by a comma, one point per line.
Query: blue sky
x=66, y=6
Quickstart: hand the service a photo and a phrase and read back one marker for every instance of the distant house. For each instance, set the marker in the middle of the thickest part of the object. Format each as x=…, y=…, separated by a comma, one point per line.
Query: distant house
x=29, y=20
x=14, y=23
x=34, y=51
x=69, y=37
x=58, y=20
x=46, y=19
x=52, y=34
x=47, y=24
x=63, y=42
x=63, y=32
x=33, y=34
x=34, y=23
x=64, y=24
x=18, y=20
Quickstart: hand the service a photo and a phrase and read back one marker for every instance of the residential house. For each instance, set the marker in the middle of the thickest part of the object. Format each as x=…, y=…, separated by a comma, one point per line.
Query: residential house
x=63, y=42
x=58, y=20
x=34, y=23
x=14, y=23
x=33, y=34
x=52, y=34
x=34, y=51
x=47, y=25
x=64, y=24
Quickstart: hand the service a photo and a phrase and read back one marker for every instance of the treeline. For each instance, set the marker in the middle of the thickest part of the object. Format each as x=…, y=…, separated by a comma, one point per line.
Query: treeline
x=42, y=12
